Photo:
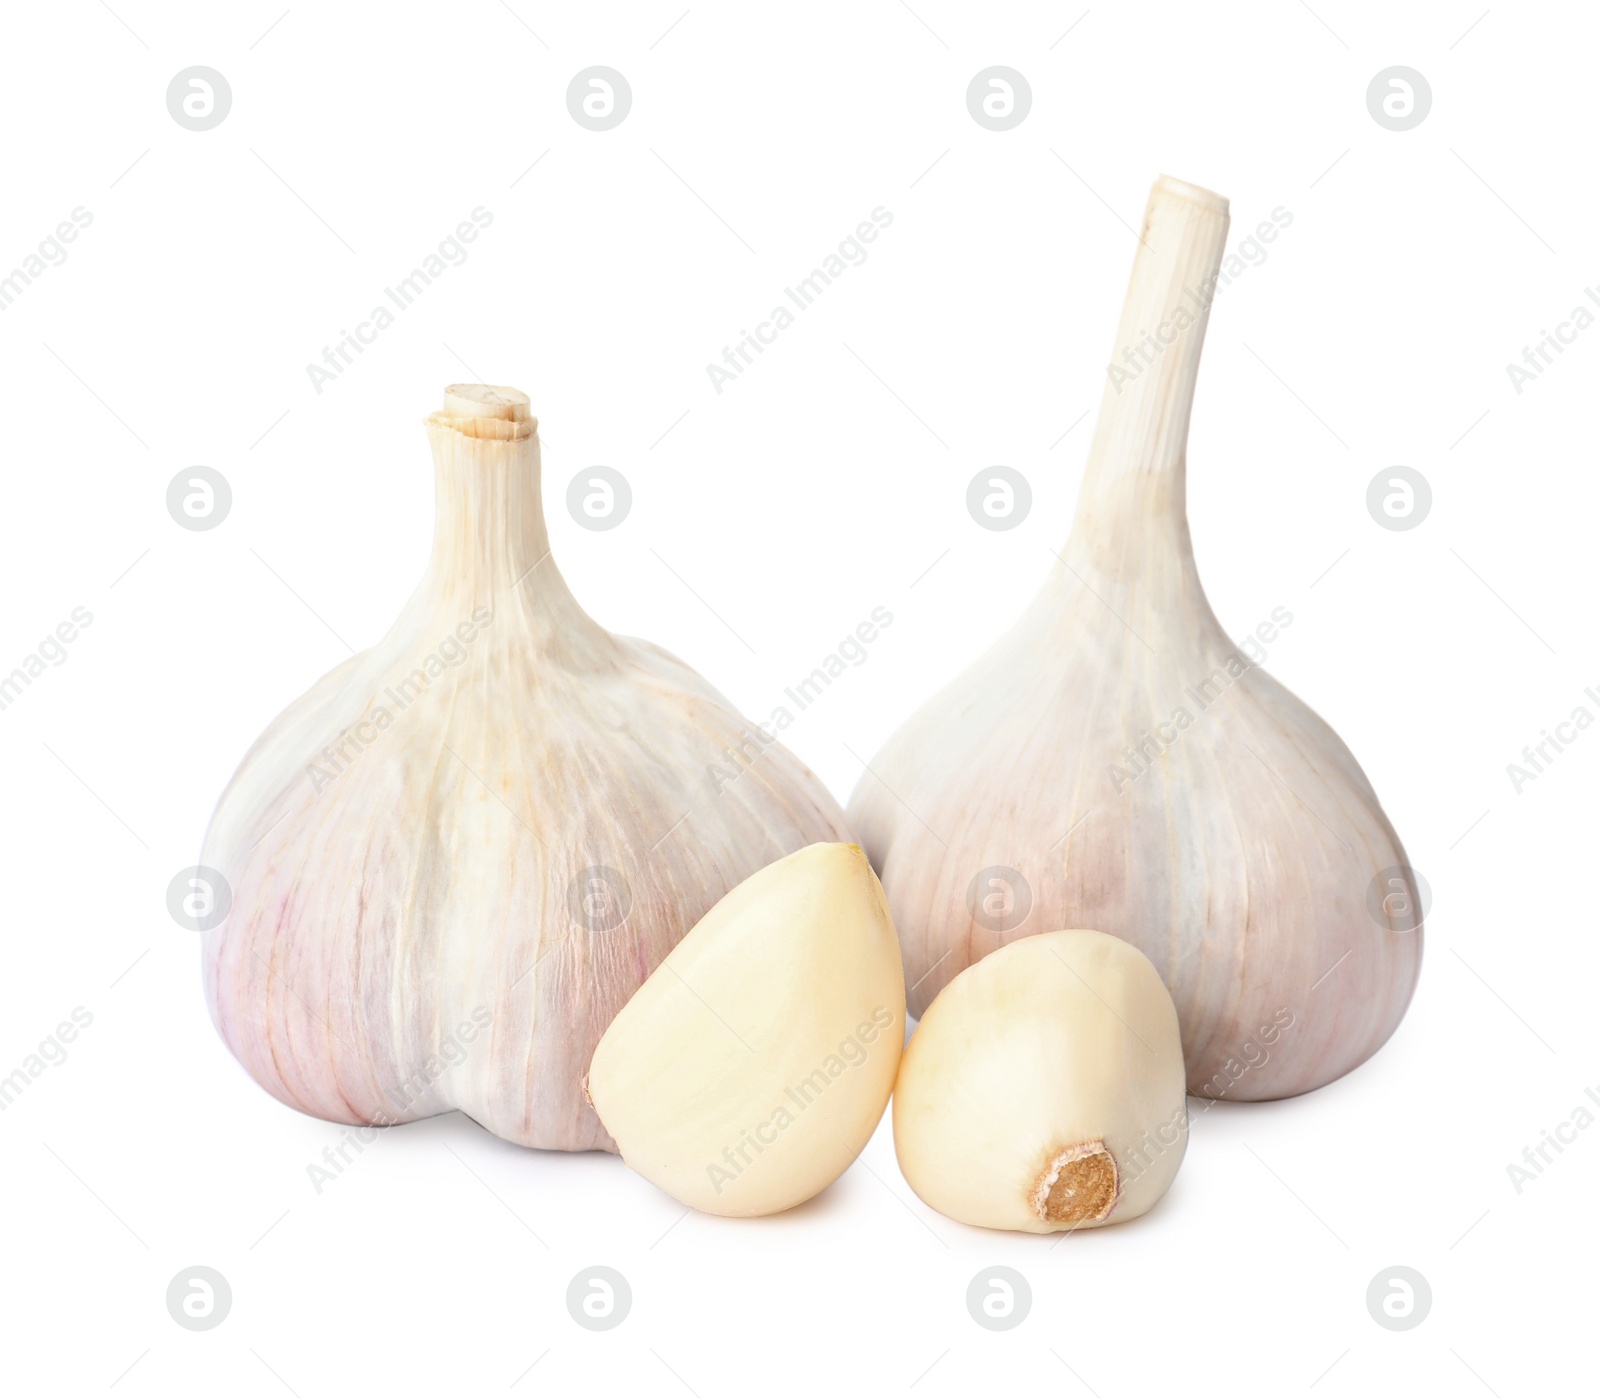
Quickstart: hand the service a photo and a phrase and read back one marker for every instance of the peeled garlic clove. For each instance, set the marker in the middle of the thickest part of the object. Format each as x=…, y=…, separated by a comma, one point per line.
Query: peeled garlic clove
x=1043, y=1089
x=1115, y=761
x=455, y=858
x=751, y=1068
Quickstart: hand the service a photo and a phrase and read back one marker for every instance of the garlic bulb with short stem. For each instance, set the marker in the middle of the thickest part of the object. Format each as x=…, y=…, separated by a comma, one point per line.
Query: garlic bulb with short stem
x=455, y=858
x=1043, y=1088
x=1115, y=762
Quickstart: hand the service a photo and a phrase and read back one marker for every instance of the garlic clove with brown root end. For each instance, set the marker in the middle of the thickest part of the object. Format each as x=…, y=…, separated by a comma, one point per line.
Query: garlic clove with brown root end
x=1043, y=1089
x=1114, y=761
x=750, y=1069
x=454, y=859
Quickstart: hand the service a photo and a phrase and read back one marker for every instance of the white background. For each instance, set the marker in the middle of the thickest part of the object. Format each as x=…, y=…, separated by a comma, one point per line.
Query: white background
x=1377, y=332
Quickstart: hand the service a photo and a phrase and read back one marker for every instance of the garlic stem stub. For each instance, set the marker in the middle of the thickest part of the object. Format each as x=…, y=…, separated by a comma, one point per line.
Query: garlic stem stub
x=499, y=819
x=1115, y=761
x=751, y=1068
x=1043, y=1089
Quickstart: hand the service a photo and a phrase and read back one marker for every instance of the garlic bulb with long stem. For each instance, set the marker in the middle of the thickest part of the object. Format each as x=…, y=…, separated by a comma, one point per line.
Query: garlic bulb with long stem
x=455, y=858
x=1114, y=762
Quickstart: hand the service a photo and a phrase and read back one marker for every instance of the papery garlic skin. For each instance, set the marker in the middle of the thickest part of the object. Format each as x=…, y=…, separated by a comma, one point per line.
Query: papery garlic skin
x=1235, y=844
x=1043, y=1089
x=752, y=1067
x=412, y=929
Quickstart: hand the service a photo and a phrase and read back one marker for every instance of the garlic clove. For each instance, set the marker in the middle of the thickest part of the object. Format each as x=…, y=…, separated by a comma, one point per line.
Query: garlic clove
x=1043, y=1089
x=753, y=1065
x=456, y=856
x=1116, y=761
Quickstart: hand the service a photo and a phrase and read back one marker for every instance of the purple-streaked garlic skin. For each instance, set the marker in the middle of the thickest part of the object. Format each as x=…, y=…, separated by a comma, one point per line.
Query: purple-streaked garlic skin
x=409, y=933
x=1239, y=855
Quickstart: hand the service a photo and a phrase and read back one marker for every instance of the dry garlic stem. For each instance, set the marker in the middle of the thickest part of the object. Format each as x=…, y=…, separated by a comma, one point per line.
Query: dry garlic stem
x=1043, y=1090
x=1116, y=761
x=751, y=1068
x=455, y=858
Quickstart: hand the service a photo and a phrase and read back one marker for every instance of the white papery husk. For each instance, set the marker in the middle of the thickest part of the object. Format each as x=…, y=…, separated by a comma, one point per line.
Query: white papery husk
x=456, y=856
x=1115, y=761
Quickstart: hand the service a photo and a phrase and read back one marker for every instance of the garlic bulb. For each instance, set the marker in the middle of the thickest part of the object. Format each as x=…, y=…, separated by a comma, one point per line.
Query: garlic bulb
x=456, y=856
x=1113, y=761
x=751, y=1068
x=1043, y=1089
